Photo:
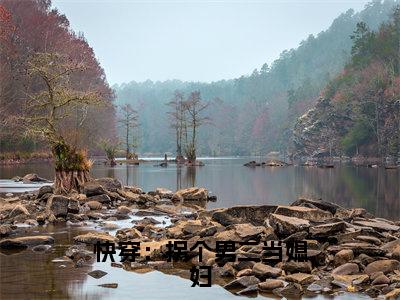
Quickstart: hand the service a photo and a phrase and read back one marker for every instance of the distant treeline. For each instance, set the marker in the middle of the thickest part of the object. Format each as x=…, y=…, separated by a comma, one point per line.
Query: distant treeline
x=256, y=113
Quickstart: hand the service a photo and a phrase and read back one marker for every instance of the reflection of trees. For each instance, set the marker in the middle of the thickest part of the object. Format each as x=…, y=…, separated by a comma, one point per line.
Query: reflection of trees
x=376, y=190
x=190, y=176
x=188, y=181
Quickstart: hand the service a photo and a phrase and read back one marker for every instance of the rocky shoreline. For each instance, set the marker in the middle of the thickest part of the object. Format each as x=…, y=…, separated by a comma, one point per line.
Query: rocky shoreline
x=348, y=250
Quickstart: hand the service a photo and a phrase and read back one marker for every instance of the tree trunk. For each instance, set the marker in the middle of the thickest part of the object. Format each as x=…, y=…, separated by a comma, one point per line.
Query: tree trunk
x=67, y=181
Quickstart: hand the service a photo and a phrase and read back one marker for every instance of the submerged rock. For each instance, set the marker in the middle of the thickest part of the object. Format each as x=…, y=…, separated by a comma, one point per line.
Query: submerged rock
x=26, y=241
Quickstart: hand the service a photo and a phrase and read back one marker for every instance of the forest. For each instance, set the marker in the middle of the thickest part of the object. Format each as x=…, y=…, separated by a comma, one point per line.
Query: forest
x=358, y=113
x=254, y=114
x=250, y=115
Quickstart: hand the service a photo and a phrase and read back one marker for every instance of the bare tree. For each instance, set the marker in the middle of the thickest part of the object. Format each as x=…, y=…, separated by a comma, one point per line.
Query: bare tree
x=129, y=122
x=46, y=112
x=178, y=119
x=195, y=109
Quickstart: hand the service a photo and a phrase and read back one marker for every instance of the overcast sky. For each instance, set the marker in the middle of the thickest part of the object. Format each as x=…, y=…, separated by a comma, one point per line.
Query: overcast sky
x=198, y=40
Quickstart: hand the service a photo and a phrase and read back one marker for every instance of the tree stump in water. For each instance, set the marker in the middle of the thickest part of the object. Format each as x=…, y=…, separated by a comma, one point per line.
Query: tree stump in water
x=67, y=181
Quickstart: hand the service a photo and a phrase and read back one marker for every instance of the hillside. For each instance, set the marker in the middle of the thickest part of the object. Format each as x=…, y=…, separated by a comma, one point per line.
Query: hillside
x=358, y=112
x=254, y=114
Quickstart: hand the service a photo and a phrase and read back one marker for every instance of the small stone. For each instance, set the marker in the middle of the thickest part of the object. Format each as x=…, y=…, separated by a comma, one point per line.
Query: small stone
x=97, y=274
x=382, y=279
x=270, y=284
x=297, y=267
x=41, y=248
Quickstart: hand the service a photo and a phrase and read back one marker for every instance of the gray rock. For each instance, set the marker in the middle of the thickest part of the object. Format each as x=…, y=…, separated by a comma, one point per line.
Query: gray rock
x=46, y=189
x=58, y=205
x=93, y=189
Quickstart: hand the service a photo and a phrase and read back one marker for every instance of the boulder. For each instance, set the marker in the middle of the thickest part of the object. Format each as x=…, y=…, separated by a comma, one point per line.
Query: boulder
x=73, y=206
x=264, y=271
x=109, y=184
x=381, y=279
x=26, y=241
x=127, y=234
x=58, y=205
x=33, y=178
x=284, y=225
x=94, y=237
x=343, y=256
x=301, y=212
x=164, y=193
x=94, y=205
x=190, y=194
x=103, y=198
x=377, y=225
x=326, y=230
x=301, y=278
x=346, y=269
x=384, y=265
x=248, y=231
x=124, y=210
x=92, y=189
x=18, y=210
x=6, y=229
x=242, y=282
x=324, y=205
x=250, y=290
x=253, y=214
x=292, y=290
x=46, y=189
x=297, y=266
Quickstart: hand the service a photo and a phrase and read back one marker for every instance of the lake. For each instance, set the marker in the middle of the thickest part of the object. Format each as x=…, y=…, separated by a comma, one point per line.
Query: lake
x=375, y=189
x=31, y=275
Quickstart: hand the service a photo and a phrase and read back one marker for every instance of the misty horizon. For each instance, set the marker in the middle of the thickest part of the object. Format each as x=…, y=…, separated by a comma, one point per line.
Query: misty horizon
x=212, y=50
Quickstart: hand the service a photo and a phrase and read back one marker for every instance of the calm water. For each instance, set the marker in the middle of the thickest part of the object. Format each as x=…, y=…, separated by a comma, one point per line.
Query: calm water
x=30, y=275
x=375, y=189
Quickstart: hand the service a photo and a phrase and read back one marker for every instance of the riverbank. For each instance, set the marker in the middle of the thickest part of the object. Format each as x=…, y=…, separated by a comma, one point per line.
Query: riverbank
x=348, y=250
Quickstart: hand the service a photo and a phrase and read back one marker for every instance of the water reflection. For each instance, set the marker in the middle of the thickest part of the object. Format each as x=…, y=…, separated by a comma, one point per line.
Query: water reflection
x=375, y=189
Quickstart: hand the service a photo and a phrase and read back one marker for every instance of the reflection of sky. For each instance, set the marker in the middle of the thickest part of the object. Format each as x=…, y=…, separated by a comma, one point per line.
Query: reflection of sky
x=377, y=190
